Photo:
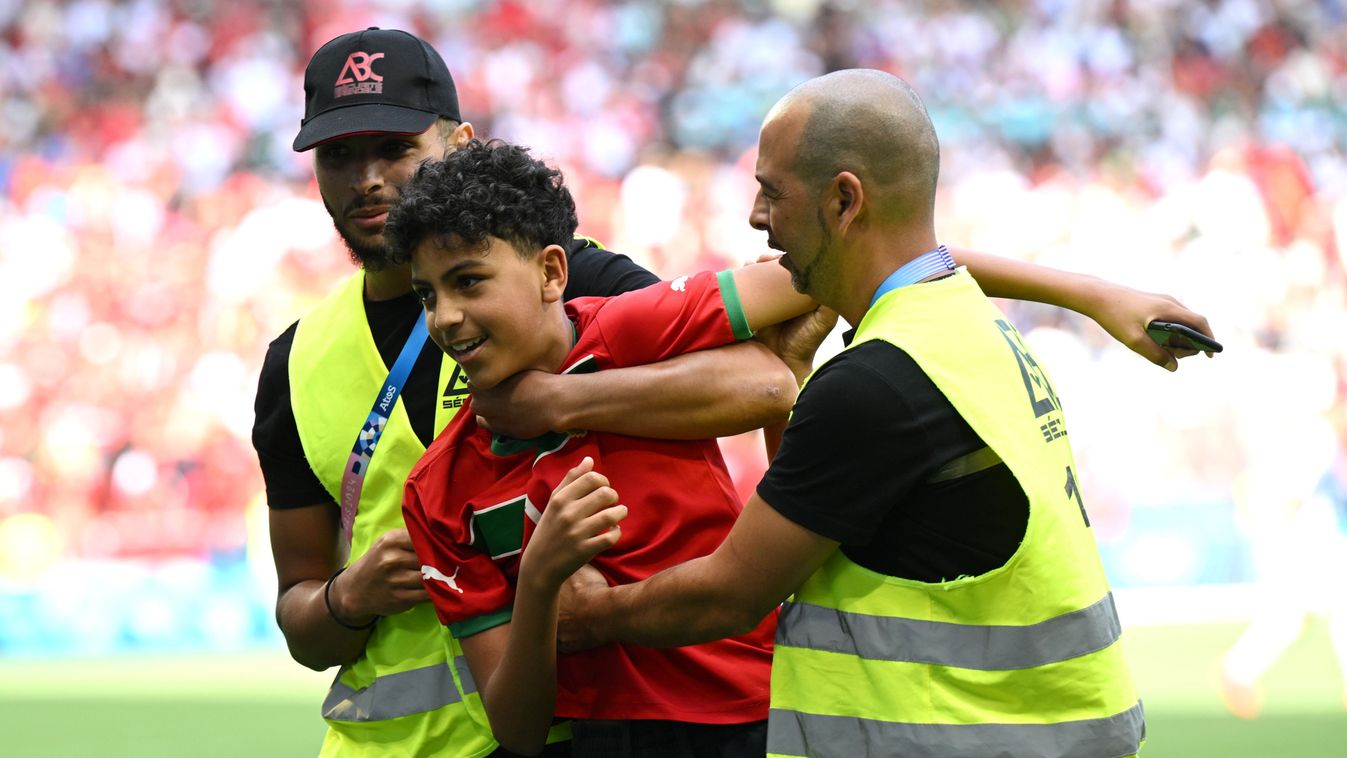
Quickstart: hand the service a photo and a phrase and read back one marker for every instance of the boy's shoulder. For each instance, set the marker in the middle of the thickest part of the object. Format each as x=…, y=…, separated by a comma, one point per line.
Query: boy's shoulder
x=452, y=445
x=663, y=296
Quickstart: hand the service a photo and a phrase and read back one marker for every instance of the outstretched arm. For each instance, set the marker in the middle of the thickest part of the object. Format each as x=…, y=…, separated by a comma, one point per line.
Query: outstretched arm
x=1122, y=311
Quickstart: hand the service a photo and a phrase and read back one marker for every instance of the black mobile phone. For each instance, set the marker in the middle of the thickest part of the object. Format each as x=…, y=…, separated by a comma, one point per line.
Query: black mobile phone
x=1180, y=337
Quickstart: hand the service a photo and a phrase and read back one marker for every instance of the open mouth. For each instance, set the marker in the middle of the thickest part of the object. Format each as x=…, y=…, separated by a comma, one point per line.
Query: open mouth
x=467, y=349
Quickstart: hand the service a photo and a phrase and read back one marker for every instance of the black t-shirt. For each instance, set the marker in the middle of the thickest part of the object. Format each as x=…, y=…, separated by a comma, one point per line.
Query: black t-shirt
x=290, y=481
x=867, y=433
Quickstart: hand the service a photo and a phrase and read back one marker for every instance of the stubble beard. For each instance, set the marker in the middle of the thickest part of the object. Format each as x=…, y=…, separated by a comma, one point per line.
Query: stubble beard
x=371, y=257
x=802, y=278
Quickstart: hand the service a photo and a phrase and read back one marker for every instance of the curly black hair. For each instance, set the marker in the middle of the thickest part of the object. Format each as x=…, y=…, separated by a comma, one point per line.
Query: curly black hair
x=482, y=189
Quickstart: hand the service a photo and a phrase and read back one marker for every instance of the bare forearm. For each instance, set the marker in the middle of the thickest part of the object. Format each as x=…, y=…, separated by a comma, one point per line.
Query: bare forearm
x=764, y=559
x=520, y=696
x=678, y=606
x=1122, y=311
x=1019, y=280
x=307, y=546
x=314, y=638
x=712, y=393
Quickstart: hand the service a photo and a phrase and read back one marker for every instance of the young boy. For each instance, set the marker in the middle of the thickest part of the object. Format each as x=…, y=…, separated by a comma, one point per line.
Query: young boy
x=485, y=232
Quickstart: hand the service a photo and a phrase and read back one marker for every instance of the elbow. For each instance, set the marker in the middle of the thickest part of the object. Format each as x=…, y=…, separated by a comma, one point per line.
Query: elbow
x=748, y=621
x=733, y=620
x=308, y=660
x=528, y=741
x=522, y=746
x=311, y=652
x=782, y=392
x=776, y=395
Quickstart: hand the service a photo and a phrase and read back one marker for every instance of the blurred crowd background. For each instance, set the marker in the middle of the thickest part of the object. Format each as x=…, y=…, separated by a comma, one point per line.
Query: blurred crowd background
x=156, y=232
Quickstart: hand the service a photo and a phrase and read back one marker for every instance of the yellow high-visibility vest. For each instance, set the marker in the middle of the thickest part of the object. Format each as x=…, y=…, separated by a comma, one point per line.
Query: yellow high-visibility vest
x=1021, y=661
x=410, y=693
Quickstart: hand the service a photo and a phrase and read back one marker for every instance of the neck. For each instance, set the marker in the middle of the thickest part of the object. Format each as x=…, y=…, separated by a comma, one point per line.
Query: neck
x=561, y=338
x=388, y=283
x=876, y=258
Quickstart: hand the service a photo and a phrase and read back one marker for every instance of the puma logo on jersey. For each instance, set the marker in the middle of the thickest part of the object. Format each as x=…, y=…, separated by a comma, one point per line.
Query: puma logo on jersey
x=680, y=284
x=429, y=572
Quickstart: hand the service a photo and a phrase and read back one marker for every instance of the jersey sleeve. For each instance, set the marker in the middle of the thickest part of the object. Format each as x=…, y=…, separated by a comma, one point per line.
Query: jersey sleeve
x=687, y=314
x=289, y=480
x=469, y=591
x=852, y=452
x=596, y=272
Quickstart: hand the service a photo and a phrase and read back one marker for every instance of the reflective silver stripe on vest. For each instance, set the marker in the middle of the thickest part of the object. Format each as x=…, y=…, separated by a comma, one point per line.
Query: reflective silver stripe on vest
x=394, y=695
x=970, y=646
x=795, y=733
x=965, y=465
x=465, y=674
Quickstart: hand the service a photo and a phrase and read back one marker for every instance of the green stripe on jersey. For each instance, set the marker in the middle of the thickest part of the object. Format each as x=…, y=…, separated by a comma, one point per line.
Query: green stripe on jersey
x=469, y=627
x=498, y=530
x=734, y=308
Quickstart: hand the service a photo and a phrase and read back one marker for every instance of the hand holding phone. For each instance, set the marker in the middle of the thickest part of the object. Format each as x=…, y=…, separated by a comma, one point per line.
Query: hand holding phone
x=1176, y=336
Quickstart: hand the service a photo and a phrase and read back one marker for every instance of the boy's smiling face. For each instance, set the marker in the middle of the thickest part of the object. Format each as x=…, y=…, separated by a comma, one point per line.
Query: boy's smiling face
x=492, y=310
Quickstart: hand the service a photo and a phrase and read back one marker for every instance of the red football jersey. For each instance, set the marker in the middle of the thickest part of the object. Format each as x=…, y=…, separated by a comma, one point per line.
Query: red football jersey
x=471, y=503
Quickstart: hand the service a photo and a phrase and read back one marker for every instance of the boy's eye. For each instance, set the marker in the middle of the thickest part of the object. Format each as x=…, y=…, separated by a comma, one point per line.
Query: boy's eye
x=467, y=281
x=424, y=295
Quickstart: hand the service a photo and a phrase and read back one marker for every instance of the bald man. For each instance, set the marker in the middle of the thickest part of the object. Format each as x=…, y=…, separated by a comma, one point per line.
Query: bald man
x=921, y=521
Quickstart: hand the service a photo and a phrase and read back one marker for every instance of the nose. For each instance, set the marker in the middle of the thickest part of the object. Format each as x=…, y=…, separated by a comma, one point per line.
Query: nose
x=443, y=320
x=367, y=176
x=757, y=217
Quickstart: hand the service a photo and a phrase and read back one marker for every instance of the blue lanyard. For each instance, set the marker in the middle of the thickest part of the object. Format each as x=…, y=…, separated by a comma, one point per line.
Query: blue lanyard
x=924, y=265
x=353, y=478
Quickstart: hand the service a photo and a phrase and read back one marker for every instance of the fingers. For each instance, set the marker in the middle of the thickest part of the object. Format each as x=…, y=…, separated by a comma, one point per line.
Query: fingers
x=604, y=521
x=587, y=508
x=604, y=525
x=410, y=596
x=395, y=538
x=581, y=480
x=1150, y=350
x=390, y=564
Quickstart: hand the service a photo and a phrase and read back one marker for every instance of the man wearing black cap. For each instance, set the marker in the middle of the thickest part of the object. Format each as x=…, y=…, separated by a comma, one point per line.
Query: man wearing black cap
x=358, y=374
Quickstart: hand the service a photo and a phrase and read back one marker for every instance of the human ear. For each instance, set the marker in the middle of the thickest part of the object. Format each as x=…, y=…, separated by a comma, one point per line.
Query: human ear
x=552, y=262
x=848, y=195
x=462, y=133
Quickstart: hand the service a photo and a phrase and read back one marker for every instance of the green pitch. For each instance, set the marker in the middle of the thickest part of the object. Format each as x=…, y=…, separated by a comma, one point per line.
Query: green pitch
x=1177, y=670
x=264, y=705
x=253, y=705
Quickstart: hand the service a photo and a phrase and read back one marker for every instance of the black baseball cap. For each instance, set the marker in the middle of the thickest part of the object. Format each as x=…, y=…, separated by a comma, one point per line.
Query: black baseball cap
x=376, y=80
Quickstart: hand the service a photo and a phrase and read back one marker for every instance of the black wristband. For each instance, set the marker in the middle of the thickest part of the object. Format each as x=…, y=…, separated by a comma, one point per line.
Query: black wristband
x=327, y=600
